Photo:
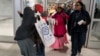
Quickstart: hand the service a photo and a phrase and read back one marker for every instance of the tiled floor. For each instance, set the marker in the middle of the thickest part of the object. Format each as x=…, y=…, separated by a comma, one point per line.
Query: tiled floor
x=11, y=49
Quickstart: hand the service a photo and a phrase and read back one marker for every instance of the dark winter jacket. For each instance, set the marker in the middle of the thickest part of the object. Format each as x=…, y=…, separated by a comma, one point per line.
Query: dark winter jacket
x=75, y=17
x=26, y=28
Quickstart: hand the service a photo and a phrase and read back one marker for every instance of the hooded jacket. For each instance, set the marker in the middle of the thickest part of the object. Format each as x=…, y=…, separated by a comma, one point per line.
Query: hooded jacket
x=26, y=28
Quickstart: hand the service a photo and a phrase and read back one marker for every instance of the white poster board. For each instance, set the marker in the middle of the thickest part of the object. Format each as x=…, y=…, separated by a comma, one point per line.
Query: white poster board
x=45, y=32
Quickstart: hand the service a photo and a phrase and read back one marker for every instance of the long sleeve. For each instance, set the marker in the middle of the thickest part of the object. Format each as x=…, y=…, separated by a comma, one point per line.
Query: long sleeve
x=69, y=24
x=87, y=19
x=20, y=14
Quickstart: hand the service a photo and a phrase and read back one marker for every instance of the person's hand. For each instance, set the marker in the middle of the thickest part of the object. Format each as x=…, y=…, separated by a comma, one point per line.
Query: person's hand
x=84, y=22
x=19, y=12
x=37, y=14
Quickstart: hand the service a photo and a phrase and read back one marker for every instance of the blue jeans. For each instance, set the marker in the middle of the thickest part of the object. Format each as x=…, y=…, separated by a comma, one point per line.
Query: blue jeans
x=41, y=50
x=78, y=40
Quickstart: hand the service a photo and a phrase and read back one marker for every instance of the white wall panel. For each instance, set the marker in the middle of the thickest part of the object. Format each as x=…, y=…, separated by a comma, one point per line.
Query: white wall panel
x=17, y=19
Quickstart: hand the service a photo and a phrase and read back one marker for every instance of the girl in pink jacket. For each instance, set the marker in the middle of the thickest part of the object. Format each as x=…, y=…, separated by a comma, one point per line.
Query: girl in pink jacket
x=60, y=28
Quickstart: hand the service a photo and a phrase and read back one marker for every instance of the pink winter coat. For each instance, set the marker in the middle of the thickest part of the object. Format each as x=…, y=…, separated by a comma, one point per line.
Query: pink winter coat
x=60, y=27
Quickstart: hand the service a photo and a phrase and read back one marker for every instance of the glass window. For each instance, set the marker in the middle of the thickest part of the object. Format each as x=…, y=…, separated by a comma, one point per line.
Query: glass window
x=96, y=31
x=97, y=9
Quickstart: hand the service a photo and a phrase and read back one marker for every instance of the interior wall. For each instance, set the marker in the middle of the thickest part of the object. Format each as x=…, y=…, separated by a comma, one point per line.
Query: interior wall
x=17, y=5
x=6, y=8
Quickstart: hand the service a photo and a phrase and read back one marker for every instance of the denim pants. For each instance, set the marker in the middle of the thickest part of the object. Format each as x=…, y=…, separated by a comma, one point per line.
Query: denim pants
x=78, y=40
x=27, y=47
x=40, y=50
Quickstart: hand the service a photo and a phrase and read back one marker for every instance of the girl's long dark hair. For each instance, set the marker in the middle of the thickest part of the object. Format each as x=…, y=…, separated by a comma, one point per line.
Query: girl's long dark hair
x=83, y=6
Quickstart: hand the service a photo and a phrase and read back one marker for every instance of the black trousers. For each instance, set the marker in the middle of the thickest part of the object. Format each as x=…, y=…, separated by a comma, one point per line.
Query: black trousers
x=78, y=40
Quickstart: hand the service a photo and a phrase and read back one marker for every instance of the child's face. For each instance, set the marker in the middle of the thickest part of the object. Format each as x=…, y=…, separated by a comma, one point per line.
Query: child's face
x=58, y=10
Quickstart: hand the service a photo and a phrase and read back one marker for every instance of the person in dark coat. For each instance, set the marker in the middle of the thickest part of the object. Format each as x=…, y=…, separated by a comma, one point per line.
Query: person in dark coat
x=77, y=27
x=24, y=33
x=27, y=36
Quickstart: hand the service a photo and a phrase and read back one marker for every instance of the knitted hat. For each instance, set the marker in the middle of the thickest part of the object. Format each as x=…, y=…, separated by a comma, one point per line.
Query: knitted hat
x=39, y=8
